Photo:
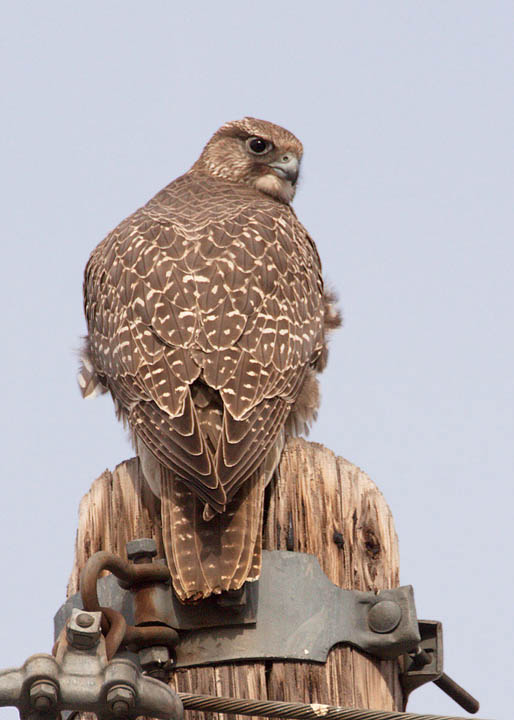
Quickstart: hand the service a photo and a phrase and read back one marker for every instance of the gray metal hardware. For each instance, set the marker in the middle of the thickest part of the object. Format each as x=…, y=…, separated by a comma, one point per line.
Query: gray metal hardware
x=141, y=549
x=80, y=678
x=250, y=624
x=425, y=665
x=293, y=612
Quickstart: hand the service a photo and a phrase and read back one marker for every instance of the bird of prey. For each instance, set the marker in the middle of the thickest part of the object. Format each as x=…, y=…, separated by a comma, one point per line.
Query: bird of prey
x=207, y=322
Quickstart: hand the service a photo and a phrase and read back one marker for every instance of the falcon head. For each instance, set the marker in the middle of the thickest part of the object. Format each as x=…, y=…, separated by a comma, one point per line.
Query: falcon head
x=257, y=153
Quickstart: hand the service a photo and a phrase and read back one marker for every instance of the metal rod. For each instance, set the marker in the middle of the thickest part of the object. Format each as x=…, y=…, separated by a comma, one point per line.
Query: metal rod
x=301, y=711
x=457, y=693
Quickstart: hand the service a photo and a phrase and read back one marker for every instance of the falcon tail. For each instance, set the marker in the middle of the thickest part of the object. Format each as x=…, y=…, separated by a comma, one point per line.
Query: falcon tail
x=210, y=552
x=208, y=557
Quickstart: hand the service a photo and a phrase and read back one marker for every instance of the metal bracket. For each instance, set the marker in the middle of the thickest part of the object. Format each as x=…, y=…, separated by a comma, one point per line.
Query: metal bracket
x=251, y=624
x=80, y=678
x=426, y=665
x=292, y=612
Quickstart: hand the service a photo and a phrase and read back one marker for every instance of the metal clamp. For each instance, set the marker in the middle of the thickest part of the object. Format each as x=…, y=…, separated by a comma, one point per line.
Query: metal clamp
x=293, y=612
x=254, y=625
x=80, y=678
x=299, y=614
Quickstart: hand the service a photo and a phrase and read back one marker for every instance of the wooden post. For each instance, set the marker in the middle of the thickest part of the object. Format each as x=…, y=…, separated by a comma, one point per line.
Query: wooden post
x=319, y=504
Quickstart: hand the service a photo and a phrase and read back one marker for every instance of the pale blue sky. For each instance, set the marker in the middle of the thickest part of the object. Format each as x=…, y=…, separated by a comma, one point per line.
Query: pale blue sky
x=405, y=110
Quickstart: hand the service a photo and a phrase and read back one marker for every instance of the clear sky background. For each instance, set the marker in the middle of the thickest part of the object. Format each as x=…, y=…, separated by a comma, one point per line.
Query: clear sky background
x=405, y=110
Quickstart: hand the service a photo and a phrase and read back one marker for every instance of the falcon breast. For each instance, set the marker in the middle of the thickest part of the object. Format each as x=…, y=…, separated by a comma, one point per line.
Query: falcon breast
x=207, y=322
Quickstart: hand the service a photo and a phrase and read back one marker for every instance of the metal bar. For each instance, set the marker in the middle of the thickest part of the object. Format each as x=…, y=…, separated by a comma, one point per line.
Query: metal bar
x=301, y=711
x=457, y=693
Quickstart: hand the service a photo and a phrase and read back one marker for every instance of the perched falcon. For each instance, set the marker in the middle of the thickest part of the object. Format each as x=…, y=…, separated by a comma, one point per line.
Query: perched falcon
x=207, y=322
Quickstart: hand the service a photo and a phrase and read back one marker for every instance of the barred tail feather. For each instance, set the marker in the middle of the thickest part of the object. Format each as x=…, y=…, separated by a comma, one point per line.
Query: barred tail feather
x=210, y=552
x=210, y=557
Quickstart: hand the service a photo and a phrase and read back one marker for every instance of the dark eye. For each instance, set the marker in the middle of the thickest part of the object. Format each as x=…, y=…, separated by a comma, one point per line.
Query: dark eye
x=258, y=146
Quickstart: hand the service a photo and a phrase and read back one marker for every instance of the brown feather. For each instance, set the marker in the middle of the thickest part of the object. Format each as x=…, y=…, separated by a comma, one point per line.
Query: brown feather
x=206, y=314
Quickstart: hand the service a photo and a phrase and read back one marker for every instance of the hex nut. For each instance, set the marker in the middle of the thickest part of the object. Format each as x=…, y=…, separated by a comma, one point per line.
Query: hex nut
x=43, y=695
x=83, y=629
x=121, y=695
x=155, y=655
x=143, y=548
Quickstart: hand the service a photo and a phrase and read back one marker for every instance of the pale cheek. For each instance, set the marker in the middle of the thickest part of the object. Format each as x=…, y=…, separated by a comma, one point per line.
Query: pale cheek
x=234, y=170
x=272, y=185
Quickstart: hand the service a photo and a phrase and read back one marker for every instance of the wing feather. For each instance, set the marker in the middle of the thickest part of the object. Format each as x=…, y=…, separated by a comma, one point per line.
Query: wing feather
x=209, y=282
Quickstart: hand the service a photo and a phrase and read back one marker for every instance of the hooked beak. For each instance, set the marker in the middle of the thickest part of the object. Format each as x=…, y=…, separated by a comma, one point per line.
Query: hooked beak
x=287, y=166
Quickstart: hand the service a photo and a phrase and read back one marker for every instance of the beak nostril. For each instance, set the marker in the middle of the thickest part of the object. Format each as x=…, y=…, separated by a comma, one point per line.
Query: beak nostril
x=286, y=167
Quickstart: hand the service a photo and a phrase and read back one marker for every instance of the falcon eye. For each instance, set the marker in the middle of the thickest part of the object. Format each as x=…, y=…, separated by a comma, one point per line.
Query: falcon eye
x=258, y=146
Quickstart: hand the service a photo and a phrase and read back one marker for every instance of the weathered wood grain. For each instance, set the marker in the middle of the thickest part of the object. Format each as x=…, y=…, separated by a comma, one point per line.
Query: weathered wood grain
x=319, y=504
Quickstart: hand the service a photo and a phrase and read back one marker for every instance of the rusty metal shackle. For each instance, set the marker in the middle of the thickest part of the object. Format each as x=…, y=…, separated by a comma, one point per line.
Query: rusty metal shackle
x=136, y=577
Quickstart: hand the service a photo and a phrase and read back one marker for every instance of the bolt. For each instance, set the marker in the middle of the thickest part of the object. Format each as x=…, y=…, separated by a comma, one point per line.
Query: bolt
x=42, y=703
x=141, y=550
x=84, y=620
x=120, y=699
x=120, y=707
x=156, y=661
x=43, y=695
x=384, y=616
x=420, y=658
